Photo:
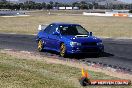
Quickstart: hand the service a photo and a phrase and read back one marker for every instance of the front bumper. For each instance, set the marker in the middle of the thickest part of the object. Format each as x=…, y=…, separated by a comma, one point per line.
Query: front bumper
x=85, y=49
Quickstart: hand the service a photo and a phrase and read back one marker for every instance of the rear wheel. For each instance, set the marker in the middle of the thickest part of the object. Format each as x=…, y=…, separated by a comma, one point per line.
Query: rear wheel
x=62, y=50
x=40, y=46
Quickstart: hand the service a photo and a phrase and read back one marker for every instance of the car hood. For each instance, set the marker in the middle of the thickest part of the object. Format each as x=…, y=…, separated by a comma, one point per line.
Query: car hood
x=83, y=38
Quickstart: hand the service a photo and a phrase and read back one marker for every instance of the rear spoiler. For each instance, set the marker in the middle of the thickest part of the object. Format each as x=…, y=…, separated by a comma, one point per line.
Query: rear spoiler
x=42, y=27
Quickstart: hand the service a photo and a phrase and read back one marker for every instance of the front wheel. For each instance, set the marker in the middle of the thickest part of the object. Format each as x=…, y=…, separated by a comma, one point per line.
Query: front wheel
x=40, y=46
x=62, y=50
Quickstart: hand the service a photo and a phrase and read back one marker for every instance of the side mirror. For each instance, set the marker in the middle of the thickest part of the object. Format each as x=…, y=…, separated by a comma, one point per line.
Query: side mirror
x=90, y=33
x=56, y=33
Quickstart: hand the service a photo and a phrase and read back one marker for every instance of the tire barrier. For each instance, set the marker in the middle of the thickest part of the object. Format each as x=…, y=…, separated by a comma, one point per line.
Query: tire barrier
x=121, y=15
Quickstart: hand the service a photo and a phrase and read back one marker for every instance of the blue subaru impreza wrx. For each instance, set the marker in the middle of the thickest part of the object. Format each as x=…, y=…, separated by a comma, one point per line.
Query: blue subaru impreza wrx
x=68, y=38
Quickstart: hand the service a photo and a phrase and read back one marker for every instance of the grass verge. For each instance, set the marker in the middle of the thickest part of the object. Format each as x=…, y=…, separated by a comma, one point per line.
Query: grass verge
x=101, y=26
x=26, y=73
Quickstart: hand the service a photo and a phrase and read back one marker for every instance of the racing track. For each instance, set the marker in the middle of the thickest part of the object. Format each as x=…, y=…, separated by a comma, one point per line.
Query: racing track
x=118, y=52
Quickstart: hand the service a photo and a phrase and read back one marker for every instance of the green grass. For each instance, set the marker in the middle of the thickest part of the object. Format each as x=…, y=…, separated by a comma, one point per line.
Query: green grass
x=23, y=73
x=100, y=26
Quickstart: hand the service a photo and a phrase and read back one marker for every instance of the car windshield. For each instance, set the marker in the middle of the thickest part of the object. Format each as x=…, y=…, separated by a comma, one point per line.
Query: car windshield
x=72, y=30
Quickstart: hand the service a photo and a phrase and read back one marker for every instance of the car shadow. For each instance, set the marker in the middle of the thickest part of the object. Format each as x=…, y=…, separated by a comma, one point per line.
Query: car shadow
x=80, y=56
x=106, y=54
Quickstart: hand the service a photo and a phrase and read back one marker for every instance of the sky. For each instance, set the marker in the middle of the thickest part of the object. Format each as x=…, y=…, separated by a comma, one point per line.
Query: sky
x=128, y=1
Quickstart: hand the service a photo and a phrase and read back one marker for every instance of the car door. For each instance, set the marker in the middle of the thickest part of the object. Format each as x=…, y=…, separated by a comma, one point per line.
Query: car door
x=45, y=36
x=54, y=39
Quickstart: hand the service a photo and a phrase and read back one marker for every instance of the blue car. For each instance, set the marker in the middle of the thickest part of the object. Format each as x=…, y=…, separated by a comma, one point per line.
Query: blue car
x=67, y=39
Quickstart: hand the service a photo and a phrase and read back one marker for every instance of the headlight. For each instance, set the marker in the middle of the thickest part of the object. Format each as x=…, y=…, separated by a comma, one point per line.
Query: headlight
x=75, y=44
x=99, y=43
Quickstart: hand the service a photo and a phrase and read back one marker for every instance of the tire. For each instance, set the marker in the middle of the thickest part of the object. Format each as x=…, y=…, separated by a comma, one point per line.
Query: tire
x=40, y=46
x=63, y=50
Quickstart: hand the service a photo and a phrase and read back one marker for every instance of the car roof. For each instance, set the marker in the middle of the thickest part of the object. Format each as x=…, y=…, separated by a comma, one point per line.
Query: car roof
x=61, y=23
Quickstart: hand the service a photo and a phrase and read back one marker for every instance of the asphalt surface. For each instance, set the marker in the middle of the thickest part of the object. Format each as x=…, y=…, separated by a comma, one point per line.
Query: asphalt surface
x=118, y=52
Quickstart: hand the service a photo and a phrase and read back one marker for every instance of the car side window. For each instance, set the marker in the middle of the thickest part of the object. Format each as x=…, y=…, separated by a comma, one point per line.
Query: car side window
x=53, y=29
x=47, y=29
x=50, y=29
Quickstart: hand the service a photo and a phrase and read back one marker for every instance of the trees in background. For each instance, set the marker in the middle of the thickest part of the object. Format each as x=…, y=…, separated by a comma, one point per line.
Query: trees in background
x=82, y=5
x=3, y=0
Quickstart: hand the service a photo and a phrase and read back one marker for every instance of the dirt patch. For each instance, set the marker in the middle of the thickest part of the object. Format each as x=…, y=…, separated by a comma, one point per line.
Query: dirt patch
x=72, y=63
